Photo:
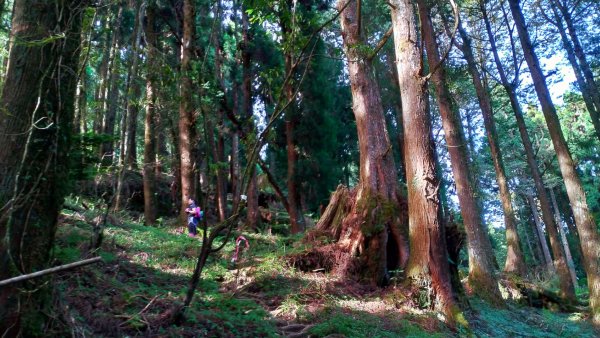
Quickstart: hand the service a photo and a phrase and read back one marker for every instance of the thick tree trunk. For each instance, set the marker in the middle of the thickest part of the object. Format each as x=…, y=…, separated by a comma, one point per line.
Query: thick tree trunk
x=515, y=262
x=187, y=120
x=34, y=161
x=427, y=267
x=586, y=226
x=482, y=279
x=371, y=229
x=150, y=119
x=563, y=239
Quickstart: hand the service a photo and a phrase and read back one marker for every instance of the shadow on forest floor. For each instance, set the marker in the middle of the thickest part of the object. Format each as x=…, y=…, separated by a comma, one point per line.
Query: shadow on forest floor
x=146, y=270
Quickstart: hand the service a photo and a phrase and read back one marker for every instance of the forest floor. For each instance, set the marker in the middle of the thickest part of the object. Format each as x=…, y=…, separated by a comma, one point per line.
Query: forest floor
x=146, y=270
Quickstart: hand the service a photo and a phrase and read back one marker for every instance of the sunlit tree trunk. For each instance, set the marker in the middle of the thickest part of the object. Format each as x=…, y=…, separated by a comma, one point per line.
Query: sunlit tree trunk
x=592, y=88
x=374, y=220
x=563, y=238
x=587, y=94
x=540, y=233
x=586, y=226
x=34, y=159
x=515, y=263
x=482, y=279
x=187, y=120
x=427, y=267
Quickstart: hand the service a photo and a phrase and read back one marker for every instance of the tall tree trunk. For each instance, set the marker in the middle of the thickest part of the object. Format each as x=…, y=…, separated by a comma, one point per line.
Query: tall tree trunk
x=133, y=94
x=567, y=289
x=187, y=120
x=540, y=233
x=586, y=91
x=482, y=279
x=563, y=239
x=296, y=225
x=112, y=98
x=150, y=119
x=427, y=267
x=101, y=90
x=217, y=143
x=34, y=162
x=373, y=222
x=515, y=262
x=586, y=226
x=253, y=220
x=591, y=85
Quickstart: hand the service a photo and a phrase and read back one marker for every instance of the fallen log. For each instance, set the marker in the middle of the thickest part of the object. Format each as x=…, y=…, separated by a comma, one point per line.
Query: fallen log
x=50, y=271
x=539, y=297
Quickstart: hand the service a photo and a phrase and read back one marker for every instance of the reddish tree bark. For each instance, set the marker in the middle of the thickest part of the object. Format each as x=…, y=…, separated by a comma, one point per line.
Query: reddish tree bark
x=515, y=262
x=586, y=226
x=427, y=267
x=482, y=279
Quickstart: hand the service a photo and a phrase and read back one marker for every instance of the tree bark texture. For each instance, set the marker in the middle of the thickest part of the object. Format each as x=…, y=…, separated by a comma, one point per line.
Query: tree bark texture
x=427, y=268
x=149, y=179
x=540, y=233
x=187, y=118
x=374, y=221
x=482, y=279
x=515, y=262
x=36, y=126
x=586, y=226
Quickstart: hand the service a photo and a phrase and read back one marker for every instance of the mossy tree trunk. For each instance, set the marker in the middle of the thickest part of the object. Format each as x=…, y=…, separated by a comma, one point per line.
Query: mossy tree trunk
x=482, y=279
x=368, y=231
x=427, y=269
x=35, y=136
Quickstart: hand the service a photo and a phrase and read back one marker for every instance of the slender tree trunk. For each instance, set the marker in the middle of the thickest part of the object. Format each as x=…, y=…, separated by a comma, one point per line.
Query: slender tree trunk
x=34, y=162
x=253, y=220
x=150, y=119
x=540, y=233
x=427, y=267
x=591, y=85
x=290, y=125
x=112, y=98
x=187, y=120
x=133, y=94
x=563, y=239
x=567, y=289
x=104, y=73
x=482, y=278
x=217, y=143
x=586, y=91
x=586, y=226
x=515, y=262
x=235, y=154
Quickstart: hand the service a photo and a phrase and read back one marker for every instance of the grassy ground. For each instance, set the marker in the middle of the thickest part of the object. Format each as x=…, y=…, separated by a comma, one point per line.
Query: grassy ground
x=146, y=270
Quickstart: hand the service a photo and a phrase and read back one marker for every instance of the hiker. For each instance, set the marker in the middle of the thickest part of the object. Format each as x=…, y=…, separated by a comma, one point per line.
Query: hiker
x=194, y=216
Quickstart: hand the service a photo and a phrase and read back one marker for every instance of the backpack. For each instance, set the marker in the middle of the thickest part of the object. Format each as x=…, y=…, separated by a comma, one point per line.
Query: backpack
x=198, y=213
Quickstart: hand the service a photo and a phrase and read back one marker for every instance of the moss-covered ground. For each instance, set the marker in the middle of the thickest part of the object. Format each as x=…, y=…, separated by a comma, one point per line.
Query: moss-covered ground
x=146, y=270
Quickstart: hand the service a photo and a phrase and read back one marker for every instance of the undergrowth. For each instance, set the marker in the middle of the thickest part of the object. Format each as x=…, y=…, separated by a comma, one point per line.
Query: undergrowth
x=146, y=270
